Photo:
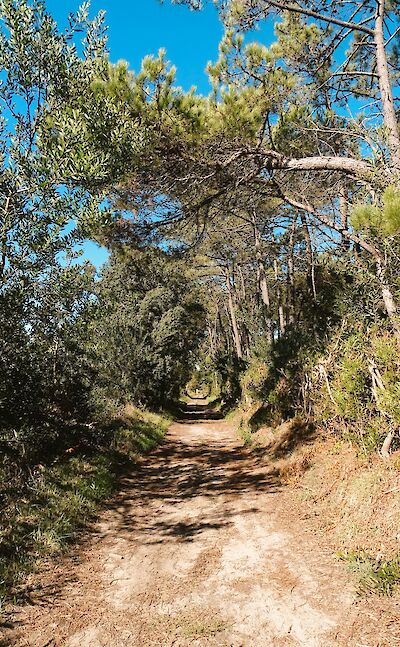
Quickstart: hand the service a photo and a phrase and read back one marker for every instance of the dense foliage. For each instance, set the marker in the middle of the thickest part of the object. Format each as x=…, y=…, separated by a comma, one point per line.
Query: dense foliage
x=148, y=325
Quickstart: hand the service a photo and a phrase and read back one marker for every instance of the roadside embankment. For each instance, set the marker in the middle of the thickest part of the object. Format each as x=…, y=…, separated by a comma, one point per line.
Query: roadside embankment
x=44, y=509
x=351, y=499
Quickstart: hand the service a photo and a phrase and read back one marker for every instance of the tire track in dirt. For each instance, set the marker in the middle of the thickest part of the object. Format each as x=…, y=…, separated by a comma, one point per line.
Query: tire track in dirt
x=195, y=550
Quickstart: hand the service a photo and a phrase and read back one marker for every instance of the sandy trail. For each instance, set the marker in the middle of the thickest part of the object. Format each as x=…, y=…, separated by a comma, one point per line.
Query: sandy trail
x=195, y=550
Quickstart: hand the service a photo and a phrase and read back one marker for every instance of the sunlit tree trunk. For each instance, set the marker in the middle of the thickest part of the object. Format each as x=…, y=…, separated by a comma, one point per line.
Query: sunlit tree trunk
x=385, y=86
x=232, y=315
x=262, y=283
x=388, y=298
x=281, y=314
x=242, y=283
x=310, y=255
x=290, y=292
x=344, y=217
x=3, y=238
x=211, y=337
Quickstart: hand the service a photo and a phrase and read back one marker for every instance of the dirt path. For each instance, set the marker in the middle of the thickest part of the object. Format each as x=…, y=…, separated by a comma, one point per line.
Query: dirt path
x=195, y=550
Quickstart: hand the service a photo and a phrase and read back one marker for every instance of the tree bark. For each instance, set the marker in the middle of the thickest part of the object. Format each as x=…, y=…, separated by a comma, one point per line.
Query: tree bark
x=281, y=316
x=223, y=329
x=290, y=296
x=231, y=309
x=242, y=283
x=3, y=239
x=211, y=338
x=385, y=449
x=310, y=255
x=344, y=217
x=385, y=87
x=388, y=298
x=262, y=282
x=348, y=165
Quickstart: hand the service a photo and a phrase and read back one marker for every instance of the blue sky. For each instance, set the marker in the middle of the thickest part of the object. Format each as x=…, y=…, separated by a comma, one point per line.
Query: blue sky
x=140, y=27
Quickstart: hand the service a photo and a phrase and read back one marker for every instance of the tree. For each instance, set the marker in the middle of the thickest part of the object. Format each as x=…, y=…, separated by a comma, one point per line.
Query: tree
x=45, y=299
x=147, y=329
x=310, y=36
x=277, y=124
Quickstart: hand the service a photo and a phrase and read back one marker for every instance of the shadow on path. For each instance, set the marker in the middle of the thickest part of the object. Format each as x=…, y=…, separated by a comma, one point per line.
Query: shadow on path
x=196, y=412
x=199, y=460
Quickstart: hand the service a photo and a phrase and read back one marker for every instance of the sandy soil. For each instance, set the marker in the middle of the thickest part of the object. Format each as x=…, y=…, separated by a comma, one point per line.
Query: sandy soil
x=199, y=548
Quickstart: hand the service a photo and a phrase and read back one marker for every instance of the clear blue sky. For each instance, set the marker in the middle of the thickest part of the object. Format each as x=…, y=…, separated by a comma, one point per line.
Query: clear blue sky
x=140, y=27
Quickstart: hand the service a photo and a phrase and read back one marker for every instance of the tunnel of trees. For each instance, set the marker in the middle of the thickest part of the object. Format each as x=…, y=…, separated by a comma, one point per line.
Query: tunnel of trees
x=253, y=233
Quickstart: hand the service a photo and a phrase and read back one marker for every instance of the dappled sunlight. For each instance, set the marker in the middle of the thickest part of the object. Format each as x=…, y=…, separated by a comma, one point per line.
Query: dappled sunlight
x=198, y=459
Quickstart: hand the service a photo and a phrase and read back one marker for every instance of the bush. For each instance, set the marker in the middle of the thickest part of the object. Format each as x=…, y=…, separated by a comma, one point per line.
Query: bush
x=349, y=393
x=374, y=575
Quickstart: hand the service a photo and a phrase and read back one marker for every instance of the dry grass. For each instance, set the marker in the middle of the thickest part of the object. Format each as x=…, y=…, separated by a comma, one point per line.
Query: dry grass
x=351, y=498
x=356, y=500
x=191, y=624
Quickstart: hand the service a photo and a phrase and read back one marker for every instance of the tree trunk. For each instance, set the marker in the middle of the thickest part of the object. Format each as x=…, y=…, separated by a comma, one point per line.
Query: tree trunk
x=262, y=282
x=385, y=449
x=211, y=338
x=344, y=218
x=281, y=316
x=246, y=341
x=310, y=255
x=3, y=237
x=385, y=87
x=231, y=309
x=388, y=299
x=290, y=297
x=223, y=329
x=348, y=165
x=242, y=283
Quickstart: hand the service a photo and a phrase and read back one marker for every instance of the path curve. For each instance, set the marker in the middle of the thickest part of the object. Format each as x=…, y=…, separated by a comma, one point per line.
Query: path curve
x=196, y=549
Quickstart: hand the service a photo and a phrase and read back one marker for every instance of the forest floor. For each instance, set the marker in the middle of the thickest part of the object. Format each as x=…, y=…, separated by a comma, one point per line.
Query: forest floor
x=202, y=546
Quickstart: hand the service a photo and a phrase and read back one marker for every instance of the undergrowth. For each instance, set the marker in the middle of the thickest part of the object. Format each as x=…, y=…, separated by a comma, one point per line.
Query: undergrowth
x=46, y=512
x=138, y=432
x=52, y=508
x=373, y=575
x=244, y=433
